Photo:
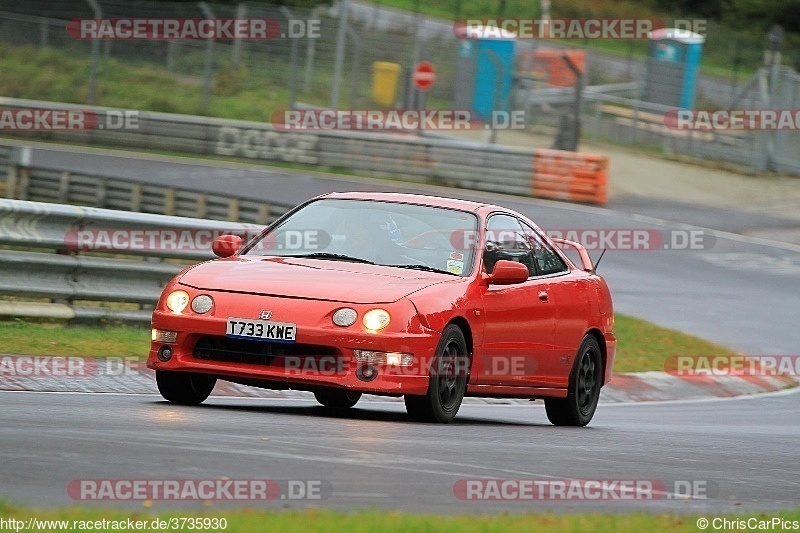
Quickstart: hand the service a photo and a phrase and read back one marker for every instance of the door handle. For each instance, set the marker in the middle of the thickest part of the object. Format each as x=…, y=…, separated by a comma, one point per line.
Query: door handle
x=543, y=296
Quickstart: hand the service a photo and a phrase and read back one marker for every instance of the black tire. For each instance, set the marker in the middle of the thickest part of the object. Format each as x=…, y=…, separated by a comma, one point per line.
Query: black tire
x=448, y=380
x=184, y=388
x=578, y=408
x=337, y=399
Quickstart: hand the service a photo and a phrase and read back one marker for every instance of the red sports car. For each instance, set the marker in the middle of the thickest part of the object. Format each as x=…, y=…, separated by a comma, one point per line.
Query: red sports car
x=428, y=298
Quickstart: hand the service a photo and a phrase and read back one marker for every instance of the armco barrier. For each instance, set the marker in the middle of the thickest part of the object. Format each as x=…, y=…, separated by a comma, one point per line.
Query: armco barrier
x=41, y=262
x=46, y=185
x=570, y=176
x=405, y=156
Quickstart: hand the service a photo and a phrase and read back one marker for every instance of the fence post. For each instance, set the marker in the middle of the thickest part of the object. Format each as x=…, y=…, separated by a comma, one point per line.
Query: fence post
x=202, y=205
x=24, y=182
x=293, y=60
x=136, y=197
x=18, y=173
x=169, y=201
x=376, y=10
x=598, y=106
x=11, y=181
x=236, y=49
x=310, y=50
x=344, y=7
x=98, y=13
x=233, y=210
x=102, y=192
x=209, y=61
x=63, y=187
x=263, y=214
x=354, y=83
x=171, y=47
x=44, y=31
x=415, y=54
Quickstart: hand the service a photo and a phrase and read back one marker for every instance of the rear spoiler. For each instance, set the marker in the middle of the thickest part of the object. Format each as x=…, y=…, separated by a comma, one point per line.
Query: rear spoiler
x=585, y=259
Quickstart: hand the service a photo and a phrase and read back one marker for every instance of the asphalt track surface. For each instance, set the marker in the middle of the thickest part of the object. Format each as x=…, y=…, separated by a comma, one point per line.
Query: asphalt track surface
x=741, y=292
x=744, y=450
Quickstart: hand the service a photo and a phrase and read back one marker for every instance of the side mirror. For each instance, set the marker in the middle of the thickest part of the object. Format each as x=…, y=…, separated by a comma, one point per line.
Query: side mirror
x=226, y=245
x=584, y=255
x=507, y=273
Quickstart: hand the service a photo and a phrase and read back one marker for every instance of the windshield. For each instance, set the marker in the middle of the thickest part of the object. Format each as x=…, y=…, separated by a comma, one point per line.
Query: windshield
x=384, y=233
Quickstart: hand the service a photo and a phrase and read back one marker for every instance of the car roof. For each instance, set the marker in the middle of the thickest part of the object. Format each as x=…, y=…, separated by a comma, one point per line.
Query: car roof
x=419, y=199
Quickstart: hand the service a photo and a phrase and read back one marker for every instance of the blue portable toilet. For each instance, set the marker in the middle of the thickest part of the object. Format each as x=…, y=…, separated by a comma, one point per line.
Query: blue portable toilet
x=673, y=61
x=485, y=73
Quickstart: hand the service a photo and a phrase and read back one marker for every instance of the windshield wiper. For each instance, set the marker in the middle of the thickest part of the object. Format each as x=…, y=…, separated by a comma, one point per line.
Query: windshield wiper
x=336, y=257
x=426, y=268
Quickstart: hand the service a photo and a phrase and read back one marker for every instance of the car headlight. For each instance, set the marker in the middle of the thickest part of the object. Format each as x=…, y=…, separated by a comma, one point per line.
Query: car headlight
x=376, y=319
x=177, y=301
x=345, y=317
x=202, y=304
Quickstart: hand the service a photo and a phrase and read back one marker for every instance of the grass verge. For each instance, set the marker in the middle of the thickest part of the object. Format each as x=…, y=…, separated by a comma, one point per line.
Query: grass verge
x=247, y=520
x=642, y=345
x=27, y=338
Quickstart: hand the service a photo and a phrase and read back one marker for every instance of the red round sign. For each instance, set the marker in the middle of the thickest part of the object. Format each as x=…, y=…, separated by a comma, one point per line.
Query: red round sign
x=424, y=75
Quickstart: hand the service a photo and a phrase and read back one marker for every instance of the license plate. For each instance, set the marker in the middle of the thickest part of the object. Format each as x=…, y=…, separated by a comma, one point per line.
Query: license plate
x=261, y=330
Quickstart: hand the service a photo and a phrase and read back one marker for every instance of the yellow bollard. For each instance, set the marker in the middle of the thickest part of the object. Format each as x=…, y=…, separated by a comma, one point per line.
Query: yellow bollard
x=384, y=82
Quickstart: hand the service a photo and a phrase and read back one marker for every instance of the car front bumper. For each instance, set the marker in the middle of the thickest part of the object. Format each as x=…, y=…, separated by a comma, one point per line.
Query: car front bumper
x=335, y=366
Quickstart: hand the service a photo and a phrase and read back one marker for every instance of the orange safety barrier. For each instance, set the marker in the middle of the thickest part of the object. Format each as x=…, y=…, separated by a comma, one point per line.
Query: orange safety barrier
x=573, y=176
x=548, y=64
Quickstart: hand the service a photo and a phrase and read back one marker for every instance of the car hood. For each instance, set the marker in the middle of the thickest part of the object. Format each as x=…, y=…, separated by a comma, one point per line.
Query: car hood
x=311, y=279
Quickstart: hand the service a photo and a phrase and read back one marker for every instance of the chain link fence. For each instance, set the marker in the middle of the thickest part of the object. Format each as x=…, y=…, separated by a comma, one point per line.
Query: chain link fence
x=291, y=71
x=252, y=79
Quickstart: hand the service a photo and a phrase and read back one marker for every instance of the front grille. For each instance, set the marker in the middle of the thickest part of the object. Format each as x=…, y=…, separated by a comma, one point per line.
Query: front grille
x=257, y=352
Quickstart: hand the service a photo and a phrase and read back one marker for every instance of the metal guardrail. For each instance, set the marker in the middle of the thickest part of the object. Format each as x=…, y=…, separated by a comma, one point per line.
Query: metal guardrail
x=635, y=121
x=24, y=182
x=566, y=95
x=407, y=156
x=47, y=259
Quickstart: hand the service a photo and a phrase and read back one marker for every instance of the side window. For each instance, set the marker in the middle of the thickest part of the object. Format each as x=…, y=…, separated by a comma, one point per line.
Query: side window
x=546, y=259
x=505, y=239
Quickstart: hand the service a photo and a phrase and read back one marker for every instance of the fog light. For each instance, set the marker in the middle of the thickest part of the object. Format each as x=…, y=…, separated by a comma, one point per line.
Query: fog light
x=366, y=373
x=160, y=335
x=399, y=359
x=165, y=353
x=384, y=358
